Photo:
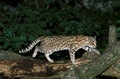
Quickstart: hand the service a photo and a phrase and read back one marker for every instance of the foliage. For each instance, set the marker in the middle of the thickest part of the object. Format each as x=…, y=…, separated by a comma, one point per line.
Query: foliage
x=118, y=29
x=22, y=24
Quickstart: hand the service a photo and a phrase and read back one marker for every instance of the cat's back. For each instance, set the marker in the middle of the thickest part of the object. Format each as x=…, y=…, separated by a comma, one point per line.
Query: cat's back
x=59, y=40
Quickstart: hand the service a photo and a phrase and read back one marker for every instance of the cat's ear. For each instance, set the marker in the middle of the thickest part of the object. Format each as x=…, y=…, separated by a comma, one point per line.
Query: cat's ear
x=94, y=36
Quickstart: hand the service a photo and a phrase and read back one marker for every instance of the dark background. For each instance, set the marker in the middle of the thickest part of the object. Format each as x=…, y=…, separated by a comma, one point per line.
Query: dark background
x=22, y=21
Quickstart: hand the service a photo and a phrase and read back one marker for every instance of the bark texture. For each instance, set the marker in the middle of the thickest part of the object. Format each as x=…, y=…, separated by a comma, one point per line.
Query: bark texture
x=112, y=35
x=26, y=68
x=29, y=67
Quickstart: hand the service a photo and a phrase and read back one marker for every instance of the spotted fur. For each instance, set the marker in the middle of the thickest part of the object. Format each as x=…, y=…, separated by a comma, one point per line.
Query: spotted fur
x=51, y=44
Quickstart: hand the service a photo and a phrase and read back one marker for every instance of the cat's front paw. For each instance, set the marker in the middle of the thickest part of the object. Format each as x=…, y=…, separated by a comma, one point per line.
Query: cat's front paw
x=51, y=61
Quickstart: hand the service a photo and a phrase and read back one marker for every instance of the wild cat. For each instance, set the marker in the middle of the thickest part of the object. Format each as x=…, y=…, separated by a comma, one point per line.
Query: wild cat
x=50, y=44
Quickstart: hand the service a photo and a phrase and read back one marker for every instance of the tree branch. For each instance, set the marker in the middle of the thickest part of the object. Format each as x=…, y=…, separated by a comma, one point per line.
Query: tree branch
x=112, y=35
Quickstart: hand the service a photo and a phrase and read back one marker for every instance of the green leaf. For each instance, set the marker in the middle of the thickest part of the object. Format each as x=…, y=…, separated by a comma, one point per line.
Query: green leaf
x=16, y=45
x=8, y=32
x=118, y=29
x=118, y=21
x=6, y=45
x=17, y=38
x=22, y=38
x=49, y=1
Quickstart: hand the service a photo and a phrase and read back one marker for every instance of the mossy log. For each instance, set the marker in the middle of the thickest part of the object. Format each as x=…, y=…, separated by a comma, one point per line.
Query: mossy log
x=24, y=67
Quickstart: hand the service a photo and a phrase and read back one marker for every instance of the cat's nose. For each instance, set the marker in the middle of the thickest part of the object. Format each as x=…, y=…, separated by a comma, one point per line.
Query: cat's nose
x=95, y=46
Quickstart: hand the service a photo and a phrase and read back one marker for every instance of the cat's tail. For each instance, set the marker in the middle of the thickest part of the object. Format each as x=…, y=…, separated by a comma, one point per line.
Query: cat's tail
x=30, y=46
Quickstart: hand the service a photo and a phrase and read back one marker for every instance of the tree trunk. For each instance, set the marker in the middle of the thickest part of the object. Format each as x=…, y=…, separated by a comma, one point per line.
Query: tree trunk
x=112, y=35
x=16, y=66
